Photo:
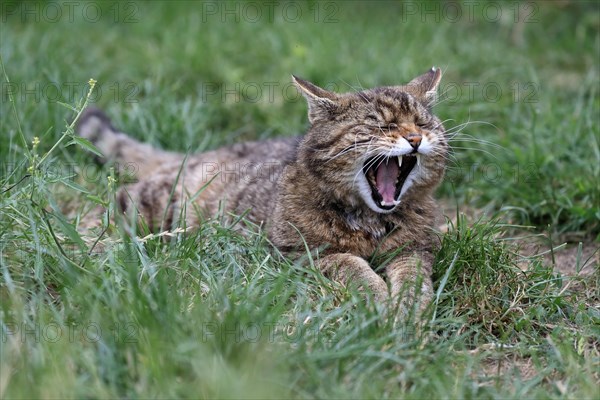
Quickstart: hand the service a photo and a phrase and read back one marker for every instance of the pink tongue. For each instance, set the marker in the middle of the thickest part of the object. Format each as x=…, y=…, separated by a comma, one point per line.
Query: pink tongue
x=386, y=180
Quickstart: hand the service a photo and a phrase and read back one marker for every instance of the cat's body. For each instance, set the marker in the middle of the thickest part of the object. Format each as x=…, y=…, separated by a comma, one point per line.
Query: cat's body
x=359, y=182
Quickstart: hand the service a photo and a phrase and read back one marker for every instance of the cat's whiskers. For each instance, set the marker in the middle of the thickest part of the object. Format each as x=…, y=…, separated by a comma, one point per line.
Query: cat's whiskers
x=356, y=90
x=444, y=155
x=362, y=169
x=470, y=139
x=455, y=134
x=369, y=164
x=385, y=134
x=367, y=141
x=346, y=151
x=353, y=147
x=440, y=98
x=458, y=128
x=475, y=149
x=377, y=149
x=442, y=122
x=374, y=155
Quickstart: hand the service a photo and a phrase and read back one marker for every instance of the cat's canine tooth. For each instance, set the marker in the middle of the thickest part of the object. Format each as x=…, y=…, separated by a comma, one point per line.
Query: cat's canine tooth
x=399, y=161
x=418, y=160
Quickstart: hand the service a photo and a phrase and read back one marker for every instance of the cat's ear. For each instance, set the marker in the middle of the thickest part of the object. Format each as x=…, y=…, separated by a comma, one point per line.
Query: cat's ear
x=425, y=86
x=321, y=103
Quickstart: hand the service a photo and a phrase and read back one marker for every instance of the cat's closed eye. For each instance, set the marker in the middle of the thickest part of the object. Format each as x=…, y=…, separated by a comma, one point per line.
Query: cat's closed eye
x=421, y=123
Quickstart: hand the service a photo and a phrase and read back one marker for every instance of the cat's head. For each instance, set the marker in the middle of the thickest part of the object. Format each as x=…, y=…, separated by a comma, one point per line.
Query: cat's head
x=377, y=146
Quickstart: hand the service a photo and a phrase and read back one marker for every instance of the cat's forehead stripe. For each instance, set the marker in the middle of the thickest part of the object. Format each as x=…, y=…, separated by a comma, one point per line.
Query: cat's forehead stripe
x=389, y=97
x=388, y=102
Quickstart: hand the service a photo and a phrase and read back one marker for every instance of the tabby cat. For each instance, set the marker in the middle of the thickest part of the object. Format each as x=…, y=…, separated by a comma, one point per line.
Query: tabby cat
x=360, y=181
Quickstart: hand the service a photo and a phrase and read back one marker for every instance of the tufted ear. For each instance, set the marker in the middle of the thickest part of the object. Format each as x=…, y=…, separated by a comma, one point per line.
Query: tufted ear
x=424, y=87
x=321, y=103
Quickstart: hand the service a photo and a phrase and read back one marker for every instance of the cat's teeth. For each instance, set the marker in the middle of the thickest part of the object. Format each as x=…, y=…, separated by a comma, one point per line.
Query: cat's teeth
x=399, y=161
x=418, y=160
x=390, y=203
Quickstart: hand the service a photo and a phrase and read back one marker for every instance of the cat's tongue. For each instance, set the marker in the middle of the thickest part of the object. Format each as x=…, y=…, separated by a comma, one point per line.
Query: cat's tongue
x=385, y=180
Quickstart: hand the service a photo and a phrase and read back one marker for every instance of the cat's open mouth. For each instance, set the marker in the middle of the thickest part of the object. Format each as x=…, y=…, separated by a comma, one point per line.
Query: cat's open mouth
x=386, y=176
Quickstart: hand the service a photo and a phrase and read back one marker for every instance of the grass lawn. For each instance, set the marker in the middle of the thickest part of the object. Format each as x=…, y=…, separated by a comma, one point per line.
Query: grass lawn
x=213, y=314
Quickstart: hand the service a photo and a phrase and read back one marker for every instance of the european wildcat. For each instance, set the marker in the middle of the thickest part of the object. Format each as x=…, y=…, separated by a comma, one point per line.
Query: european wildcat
x=359, y=181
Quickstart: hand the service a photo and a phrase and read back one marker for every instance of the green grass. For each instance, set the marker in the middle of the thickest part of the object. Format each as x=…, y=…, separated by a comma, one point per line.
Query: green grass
x=214, y=314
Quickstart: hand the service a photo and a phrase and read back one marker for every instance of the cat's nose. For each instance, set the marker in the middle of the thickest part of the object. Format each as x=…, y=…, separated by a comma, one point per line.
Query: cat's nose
x=414, y=139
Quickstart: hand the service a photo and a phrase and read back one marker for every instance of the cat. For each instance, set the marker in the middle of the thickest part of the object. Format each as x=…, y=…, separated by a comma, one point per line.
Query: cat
x=360, y=181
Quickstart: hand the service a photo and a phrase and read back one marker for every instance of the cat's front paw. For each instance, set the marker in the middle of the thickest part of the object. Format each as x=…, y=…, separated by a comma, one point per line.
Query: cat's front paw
x=353, y=271
x=411, y=303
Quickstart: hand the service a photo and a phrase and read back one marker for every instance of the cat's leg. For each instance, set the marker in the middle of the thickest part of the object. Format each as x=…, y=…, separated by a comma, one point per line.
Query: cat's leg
x=348, y=269
x=149, y=203
x=410, y=282
x=147, y=198
x=130, y=155
x=155, y=203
